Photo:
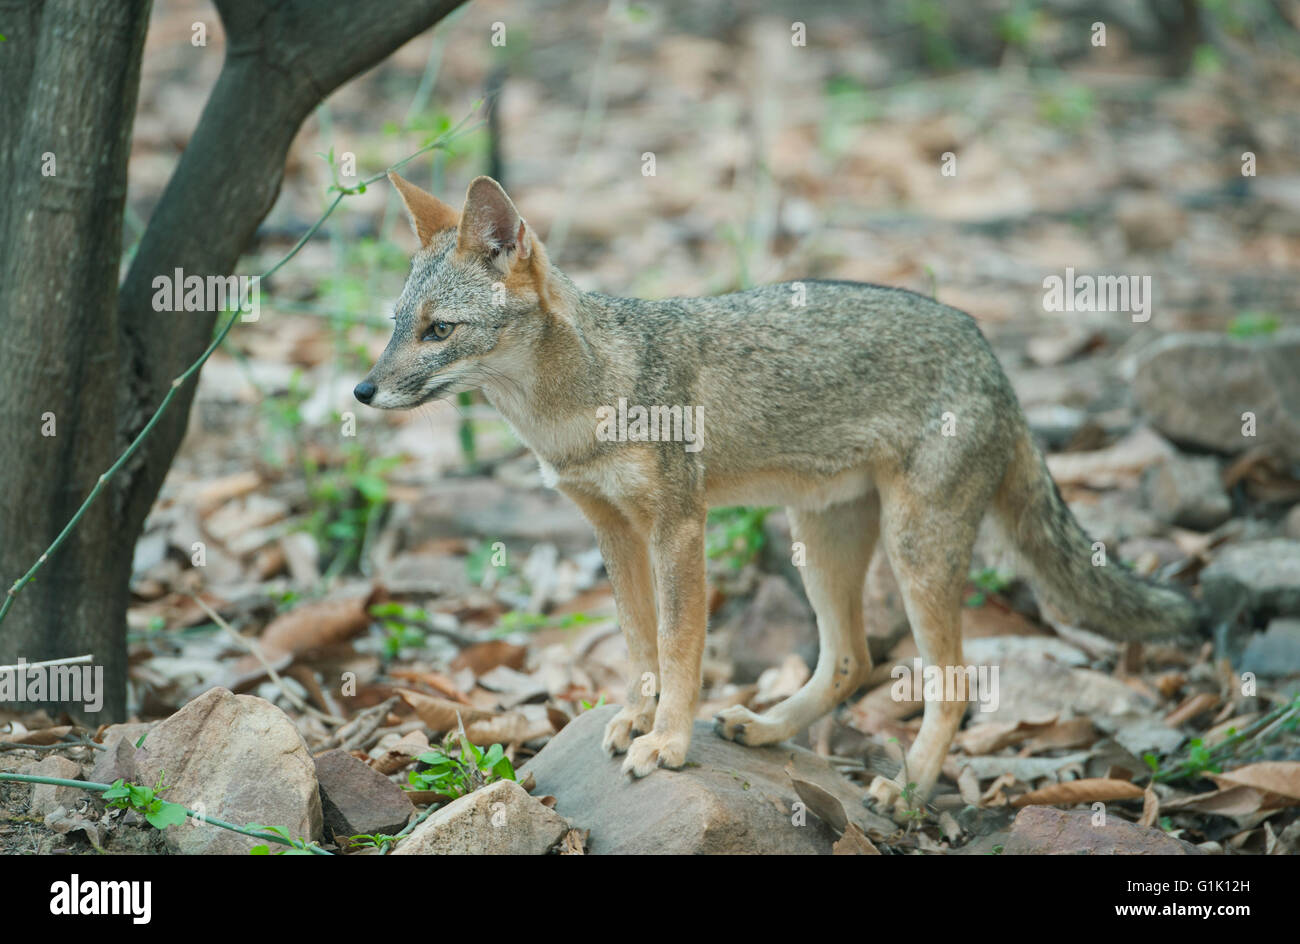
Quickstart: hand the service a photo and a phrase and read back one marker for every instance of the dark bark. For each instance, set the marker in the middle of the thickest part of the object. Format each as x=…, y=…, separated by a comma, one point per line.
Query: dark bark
x=101, y=359
x=58, y=346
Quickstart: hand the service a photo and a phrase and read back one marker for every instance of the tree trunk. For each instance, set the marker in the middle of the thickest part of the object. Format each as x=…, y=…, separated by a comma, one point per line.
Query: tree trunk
x=99, y=359
x=58, y=348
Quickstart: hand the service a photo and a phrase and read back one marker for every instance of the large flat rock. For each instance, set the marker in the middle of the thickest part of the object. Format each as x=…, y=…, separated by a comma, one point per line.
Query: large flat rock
x=729, y=799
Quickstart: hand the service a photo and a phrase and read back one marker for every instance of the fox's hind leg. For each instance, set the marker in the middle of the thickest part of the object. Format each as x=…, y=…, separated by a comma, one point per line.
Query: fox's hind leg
x=839, y=541
x=929, y=544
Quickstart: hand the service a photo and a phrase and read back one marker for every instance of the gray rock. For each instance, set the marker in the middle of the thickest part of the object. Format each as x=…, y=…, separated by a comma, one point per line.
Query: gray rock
x=1275, y=653
x=237, y=758
x=493, y=511
x=1263, y=577
x=1187, y=491
x=46, y=798
x=117, y=761
x=1042, y=830
x=1115, y=517
x=1195, y=388
x=776, y=623
x=357, y=799
x=499, y=819
x=1291, y=524
x=728, y=799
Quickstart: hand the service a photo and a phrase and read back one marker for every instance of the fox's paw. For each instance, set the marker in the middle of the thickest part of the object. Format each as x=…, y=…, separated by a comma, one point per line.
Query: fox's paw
x=624, y=726
x=743, y=726
x=656, y=749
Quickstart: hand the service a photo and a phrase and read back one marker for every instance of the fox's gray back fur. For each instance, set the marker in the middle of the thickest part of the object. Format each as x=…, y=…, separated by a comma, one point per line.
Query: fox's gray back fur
x=864, y=374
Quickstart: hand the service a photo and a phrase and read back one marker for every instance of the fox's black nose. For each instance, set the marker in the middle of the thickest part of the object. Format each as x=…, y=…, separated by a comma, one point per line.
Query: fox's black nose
x=365, y=391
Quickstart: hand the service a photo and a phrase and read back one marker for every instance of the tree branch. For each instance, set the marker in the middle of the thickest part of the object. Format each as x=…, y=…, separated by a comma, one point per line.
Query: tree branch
x=281, y=60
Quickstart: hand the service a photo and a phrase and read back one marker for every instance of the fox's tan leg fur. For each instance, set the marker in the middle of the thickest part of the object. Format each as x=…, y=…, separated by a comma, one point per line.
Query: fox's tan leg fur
x=929, y=548
x=627, y=561
x=839, y=541
x=677, y=552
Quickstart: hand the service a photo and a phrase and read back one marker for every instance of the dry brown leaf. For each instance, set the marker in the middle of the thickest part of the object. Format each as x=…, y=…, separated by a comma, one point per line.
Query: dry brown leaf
x=212, y=493
x=38, y=738
x=440, y=714
x=1170, y=684
x=1071, y=733
x=574, y=842
x=1192, y=708
x=824, y=805
x=483, y=657
x=1150, y=807
x=1090, y=790
x=411, y=746
x=854, y=842
x=1281, y=778
x=511, y=727
x=1231, y=801
x=437, y=681
x=317, y=626
x=988, y=738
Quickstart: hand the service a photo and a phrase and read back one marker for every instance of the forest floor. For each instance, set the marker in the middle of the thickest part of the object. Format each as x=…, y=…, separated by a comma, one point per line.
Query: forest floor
x=419, y=556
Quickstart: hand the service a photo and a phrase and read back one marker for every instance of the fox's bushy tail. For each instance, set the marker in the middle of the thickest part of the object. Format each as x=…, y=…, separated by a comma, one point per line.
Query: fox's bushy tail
x=1057, y=555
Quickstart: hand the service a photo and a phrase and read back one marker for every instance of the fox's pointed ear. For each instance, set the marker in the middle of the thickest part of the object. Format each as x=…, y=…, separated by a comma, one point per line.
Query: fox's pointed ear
x=492, y=226
x=428, y=214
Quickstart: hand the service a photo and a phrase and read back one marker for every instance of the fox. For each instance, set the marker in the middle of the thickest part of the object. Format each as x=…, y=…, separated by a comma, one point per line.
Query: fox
x=872, y=414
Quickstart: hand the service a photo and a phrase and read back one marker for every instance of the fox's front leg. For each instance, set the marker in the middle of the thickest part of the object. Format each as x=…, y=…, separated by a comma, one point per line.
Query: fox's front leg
x=677, y=550
x=627, y=561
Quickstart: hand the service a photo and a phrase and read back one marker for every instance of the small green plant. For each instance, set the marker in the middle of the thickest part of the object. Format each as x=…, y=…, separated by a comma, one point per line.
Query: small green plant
x=285, y=600
x=372, y=840
x=1016, y=26
x=479, y=559
x=914, y=809
x=987, y=581
x=347, y=504
x=334, y=173
x=1253, y=324
x=146, y=801
x=297, y=846
x=1069, y=107
x=587, y=706
x=1200, y=760
x=932, y=19
x=456, y=774
x=521, y=621
x=396, y=620
x=849, y=106
x=736, y=535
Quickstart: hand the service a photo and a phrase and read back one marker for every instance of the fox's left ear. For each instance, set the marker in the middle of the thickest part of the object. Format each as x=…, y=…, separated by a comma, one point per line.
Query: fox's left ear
x=428, y=214
x=491, y=226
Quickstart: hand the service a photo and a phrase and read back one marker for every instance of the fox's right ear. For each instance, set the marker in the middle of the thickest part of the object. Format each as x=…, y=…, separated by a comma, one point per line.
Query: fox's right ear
x=428, y=214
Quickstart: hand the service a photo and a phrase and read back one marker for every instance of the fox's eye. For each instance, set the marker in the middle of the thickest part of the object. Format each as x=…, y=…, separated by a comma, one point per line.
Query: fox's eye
x=439, y=331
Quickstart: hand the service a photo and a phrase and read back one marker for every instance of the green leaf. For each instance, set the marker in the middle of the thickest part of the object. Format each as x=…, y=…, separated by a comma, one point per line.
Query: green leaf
x=166, y=814
x=260, y=850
